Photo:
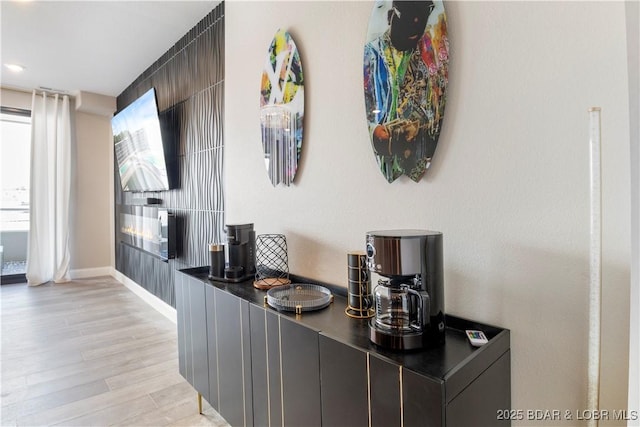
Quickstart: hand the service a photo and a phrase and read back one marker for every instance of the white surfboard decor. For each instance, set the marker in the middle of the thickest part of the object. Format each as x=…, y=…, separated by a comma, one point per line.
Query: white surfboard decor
x=282, y=109
x=406, y=61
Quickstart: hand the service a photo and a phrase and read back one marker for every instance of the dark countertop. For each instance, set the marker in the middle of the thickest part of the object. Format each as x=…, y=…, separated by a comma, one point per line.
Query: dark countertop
x=440, y=363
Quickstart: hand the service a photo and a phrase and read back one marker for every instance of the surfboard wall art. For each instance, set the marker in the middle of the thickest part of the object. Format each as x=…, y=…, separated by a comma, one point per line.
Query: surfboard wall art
x=406, y=59
x=282, y=109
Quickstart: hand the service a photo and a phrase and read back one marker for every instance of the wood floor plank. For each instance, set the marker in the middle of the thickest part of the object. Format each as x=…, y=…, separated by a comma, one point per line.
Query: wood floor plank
x=166, y=415
x=86, y=342
x=99, y=402
x=63, y=397
x=132, y=377
x=97, y=372
x=142, y=355
x=9, y=415
x=12, y=395
x=114, y=414
x=18, y=366
x=90, y=352
x=209, y=417
x=174, y=393
x=118, y=347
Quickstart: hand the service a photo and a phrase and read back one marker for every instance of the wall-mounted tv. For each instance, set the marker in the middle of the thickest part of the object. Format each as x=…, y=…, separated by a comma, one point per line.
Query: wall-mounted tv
x=139, y=148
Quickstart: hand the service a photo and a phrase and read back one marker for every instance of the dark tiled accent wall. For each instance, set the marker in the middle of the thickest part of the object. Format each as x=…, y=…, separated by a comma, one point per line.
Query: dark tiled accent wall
x=189, y=83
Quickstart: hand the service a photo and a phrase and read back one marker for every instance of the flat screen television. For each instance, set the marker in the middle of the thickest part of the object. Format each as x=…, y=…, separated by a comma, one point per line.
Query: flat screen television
x=139, y=148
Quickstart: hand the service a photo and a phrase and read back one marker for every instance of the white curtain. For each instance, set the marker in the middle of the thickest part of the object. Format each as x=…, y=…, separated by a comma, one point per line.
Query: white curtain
x=48, y=248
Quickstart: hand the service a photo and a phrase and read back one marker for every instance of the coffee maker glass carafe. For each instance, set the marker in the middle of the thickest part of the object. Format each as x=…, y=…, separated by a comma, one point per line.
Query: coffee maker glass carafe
x=398, y=308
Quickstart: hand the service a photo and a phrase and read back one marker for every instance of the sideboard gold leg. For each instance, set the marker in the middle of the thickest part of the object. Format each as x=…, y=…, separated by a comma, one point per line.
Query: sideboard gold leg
x=199, y=403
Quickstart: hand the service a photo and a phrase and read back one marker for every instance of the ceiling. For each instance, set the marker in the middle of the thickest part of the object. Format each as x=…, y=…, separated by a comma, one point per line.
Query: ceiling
x=92, y=46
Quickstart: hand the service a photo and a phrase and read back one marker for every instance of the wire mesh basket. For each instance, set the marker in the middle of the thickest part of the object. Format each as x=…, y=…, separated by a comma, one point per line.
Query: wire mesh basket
x=272, y=262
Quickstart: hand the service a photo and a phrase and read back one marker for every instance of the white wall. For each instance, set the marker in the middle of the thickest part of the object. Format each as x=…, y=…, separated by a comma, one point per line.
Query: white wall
x=92, y=243
x=15, y=99
x=508, y=186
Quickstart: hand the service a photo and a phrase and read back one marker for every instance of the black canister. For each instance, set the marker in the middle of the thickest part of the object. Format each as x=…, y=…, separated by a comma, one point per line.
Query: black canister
x=216, y=266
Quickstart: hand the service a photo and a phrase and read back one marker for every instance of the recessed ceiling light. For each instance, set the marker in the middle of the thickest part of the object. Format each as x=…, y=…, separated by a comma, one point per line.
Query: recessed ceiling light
x=16, y=68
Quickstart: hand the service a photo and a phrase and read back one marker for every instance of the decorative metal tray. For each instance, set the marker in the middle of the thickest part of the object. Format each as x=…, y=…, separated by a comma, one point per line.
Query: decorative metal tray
x=299, y=297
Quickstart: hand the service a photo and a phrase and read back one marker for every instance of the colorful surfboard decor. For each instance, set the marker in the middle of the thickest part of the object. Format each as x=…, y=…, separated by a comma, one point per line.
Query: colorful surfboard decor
x=282, y=109
x=406, y=59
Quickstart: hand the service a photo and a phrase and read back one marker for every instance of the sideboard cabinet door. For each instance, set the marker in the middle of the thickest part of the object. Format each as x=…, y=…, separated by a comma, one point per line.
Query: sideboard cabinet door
x=182, y=320
x=212, y=348
x=343, y=375
x=265, y=367
x=422, y=400
x=259, y=370
x=273, y=366
x=480, y=402
x=384, y=378
x=192, y=332
x=300, y=374
x=235, y=400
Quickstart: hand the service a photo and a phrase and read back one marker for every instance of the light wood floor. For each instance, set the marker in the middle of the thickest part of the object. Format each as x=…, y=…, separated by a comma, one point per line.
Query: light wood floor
x=90, y=352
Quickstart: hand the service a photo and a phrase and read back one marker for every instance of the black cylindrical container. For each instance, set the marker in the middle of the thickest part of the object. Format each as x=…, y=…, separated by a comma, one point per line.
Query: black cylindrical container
x=216, y=266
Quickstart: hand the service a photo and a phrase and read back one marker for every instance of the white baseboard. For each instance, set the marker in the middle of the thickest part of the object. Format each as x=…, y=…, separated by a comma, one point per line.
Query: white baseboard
x=84, y=273
x=162, y=307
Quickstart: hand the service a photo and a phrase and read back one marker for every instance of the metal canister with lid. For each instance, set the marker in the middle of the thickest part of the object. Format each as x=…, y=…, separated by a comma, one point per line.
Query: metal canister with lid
x=216, y=256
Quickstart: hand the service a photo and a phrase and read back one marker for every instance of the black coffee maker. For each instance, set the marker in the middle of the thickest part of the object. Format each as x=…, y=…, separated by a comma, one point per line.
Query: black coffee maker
x=409, y=297
x=241, y=249
x=241, y=253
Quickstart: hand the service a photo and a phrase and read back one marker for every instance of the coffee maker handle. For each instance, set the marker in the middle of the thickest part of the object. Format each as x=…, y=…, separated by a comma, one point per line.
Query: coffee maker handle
x=425, y=309
x=422, y=301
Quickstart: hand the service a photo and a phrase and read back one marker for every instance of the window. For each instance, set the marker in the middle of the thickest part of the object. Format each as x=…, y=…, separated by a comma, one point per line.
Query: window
x=15, y=150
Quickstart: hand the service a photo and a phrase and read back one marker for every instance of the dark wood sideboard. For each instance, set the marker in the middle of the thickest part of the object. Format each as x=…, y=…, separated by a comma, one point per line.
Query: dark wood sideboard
x=260, y=367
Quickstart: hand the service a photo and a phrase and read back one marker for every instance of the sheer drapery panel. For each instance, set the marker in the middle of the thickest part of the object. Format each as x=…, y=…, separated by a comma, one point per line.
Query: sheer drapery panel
x=48, y=250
